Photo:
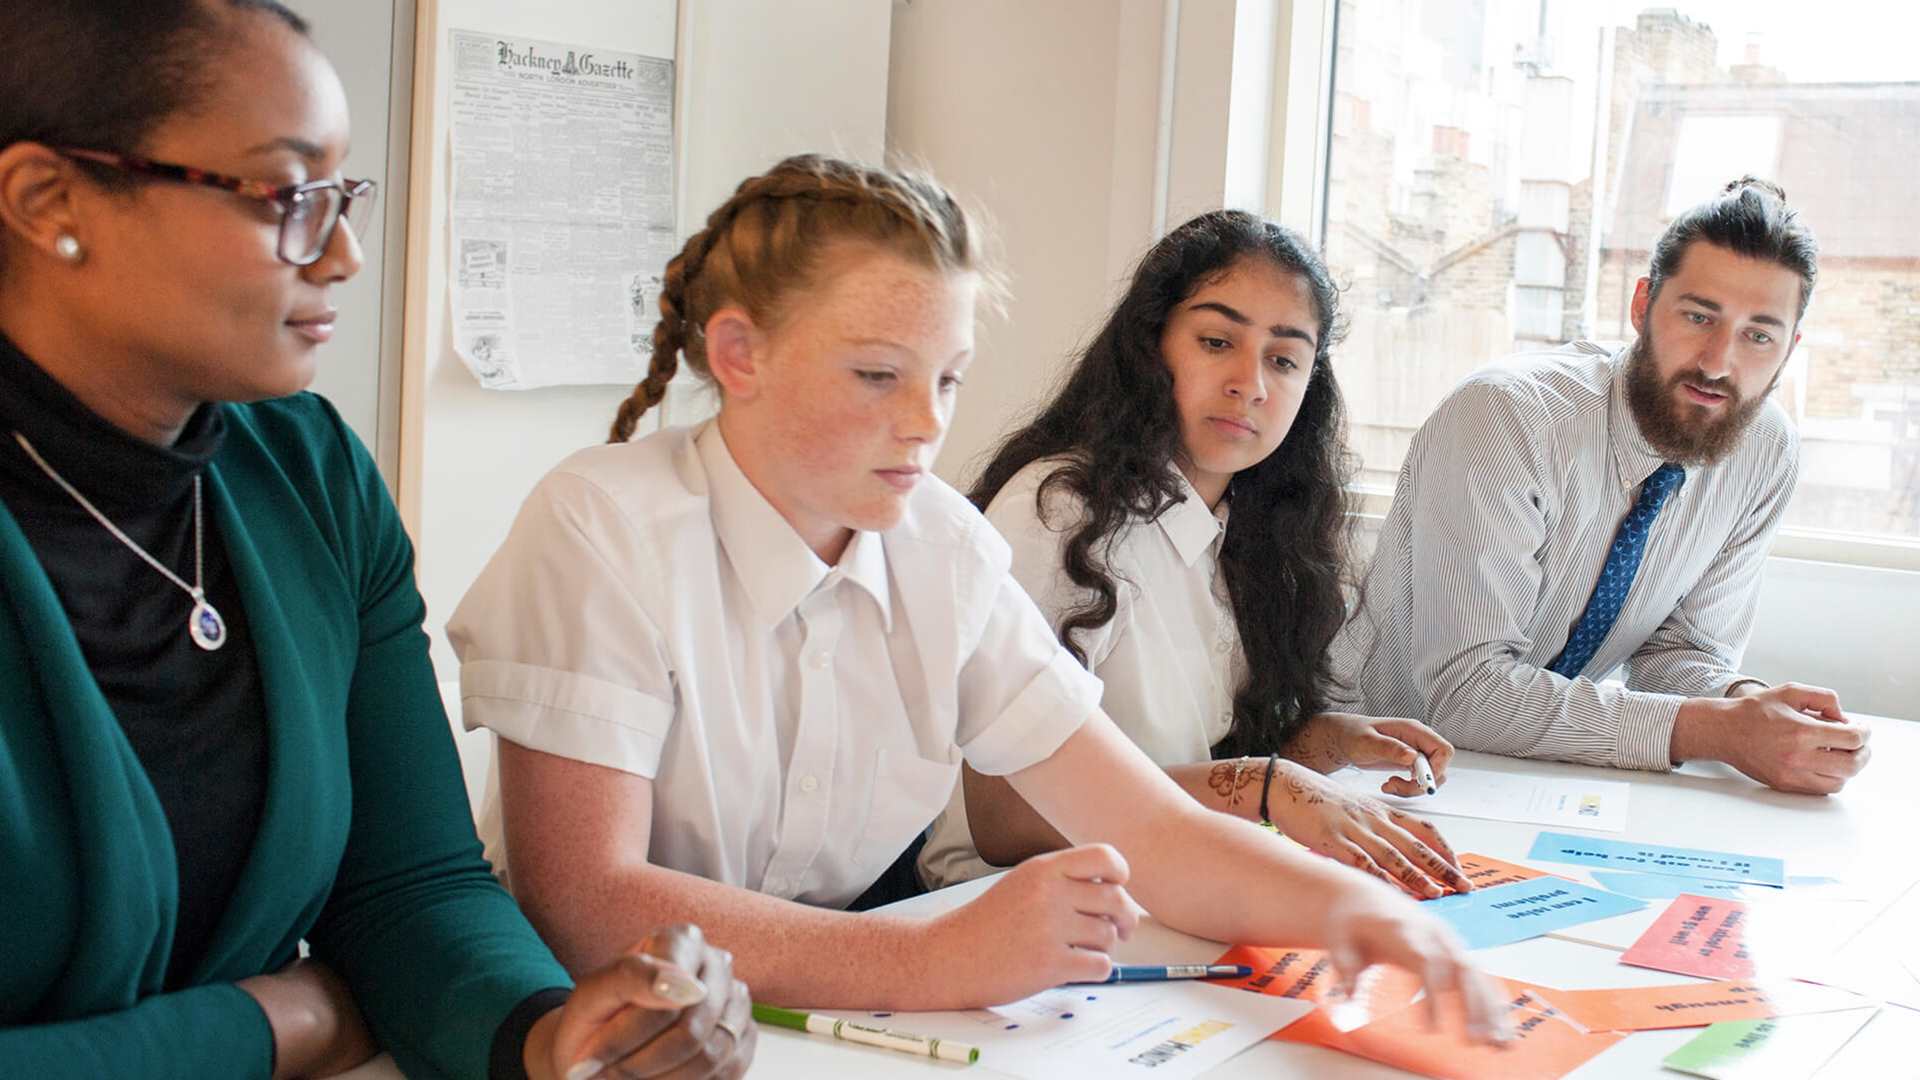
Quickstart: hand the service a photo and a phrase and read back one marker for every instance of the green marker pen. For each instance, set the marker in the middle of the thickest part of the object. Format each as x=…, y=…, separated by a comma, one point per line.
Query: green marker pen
x=849, y=1031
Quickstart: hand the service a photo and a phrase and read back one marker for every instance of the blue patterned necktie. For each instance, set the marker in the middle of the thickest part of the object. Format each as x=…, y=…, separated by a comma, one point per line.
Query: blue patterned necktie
x=1616, y=577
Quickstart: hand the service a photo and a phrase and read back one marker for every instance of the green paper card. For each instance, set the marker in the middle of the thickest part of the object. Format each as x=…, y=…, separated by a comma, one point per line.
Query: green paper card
x=1783, y=1048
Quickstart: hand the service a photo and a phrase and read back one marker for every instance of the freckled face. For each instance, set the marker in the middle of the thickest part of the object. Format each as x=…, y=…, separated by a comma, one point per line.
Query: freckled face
x=1241, y=350
x=856, y=388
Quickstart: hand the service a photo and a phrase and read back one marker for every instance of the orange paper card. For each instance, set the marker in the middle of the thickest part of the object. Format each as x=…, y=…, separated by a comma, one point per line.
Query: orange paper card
x=1696, y=935
x=1545, y=1046
x=1648, y=1008
x=1485, y=871
x=1306, y=974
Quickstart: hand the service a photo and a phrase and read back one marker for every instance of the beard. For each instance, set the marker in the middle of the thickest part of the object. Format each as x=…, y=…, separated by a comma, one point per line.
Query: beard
x=1677, y=429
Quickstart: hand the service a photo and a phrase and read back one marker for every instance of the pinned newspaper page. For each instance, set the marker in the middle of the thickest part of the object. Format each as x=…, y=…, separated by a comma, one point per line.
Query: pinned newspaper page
x=562, y=209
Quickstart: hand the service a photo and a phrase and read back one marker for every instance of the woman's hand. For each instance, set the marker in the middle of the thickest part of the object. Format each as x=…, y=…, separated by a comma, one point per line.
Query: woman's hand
x=669, y=1008
x=317, y=1029
x=1372, y=926
x=1051, y=920
x=1332, y=741
x=1363, y=832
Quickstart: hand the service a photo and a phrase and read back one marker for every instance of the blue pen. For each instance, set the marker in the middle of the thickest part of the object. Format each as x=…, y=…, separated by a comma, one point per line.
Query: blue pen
x=1163, y=972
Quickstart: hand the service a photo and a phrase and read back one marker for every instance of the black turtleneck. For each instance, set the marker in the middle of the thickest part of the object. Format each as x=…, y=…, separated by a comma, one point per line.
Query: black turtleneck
x=196, y=719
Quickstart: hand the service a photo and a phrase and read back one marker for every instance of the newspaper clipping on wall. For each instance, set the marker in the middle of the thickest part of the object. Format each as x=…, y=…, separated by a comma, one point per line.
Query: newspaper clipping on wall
x=562, y=209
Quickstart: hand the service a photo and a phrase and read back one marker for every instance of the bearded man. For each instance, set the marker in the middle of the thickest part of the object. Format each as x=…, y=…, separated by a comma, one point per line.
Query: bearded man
x=1569, y=512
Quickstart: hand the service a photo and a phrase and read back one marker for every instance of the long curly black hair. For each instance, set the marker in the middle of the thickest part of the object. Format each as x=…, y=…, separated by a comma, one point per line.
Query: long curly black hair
x=1286, y=558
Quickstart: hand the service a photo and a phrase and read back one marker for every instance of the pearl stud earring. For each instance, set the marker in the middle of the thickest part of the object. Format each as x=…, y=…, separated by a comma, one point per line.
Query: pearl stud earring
x=68, y=247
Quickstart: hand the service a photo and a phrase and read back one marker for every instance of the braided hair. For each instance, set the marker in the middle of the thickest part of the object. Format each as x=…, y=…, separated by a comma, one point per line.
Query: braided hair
x=764, y=245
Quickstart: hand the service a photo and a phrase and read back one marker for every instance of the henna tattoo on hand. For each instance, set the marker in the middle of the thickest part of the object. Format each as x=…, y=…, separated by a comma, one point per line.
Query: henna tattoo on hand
x=1302, y=793
x=1220, y=778
x=1251, y=770
x=1319, y=744
x=1229, y=779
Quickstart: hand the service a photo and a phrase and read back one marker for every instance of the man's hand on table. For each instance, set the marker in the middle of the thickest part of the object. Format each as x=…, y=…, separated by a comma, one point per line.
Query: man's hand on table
x=1790, y=737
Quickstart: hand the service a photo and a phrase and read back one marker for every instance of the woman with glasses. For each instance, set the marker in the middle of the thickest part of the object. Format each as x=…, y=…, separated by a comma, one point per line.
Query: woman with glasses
x=220, y=735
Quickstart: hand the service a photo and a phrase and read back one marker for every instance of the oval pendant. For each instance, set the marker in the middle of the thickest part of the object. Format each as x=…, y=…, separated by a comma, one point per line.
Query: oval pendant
x=206, y=627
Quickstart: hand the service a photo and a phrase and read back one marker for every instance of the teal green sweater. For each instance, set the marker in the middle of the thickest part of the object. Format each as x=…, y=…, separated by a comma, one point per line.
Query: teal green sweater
x=365, y=848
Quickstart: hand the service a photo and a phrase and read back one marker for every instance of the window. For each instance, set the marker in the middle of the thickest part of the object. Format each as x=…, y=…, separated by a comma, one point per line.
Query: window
x=1497, y=172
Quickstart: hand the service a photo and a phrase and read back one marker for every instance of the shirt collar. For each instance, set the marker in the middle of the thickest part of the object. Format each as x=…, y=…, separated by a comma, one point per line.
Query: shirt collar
x=776, y=567
x=865, y=564
x=1190, y=526
x=1634, y=459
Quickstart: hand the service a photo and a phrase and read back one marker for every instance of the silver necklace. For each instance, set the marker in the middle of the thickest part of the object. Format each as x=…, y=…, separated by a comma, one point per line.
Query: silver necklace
x=204, y=625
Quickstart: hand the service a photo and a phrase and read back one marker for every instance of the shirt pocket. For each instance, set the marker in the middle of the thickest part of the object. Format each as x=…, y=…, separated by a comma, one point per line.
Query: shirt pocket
x=908, y=792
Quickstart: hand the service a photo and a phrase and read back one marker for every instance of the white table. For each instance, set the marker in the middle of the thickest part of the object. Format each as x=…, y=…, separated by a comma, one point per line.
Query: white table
x=1866, y=835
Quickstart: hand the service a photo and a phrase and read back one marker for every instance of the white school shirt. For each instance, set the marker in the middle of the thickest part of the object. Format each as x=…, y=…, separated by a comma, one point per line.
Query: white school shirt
x=651, y=612
x=1170, y=658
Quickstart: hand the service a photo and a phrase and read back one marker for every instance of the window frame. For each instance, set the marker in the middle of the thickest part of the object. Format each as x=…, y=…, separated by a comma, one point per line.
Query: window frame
x=1302, y=135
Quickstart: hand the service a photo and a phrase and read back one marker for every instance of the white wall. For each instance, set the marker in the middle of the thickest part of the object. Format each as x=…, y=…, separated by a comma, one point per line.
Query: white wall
x=1047, y=116
x=1849, y=628
x=1043, y=115
x=370, y=45
x=761, y=79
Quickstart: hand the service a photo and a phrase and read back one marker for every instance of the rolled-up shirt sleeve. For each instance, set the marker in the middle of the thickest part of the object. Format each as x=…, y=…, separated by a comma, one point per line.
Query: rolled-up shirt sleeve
x=1477, y=524
x=557, y=651
x=1021, y=694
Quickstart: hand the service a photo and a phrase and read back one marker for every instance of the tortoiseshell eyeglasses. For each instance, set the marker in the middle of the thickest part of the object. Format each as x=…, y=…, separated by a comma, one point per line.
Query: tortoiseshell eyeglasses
x=309, y=212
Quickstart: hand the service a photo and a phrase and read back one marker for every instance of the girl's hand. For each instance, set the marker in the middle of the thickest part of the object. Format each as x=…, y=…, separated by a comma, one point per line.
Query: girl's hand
x=1363, y=833
x=1051, y=920
x=1335, y=740
x=1372, y=926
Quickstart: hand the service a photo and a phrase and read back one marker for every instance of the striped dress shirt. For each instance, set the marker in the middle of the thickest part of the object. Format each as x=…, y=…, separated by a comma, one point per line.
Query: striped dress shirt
x=1502, y=517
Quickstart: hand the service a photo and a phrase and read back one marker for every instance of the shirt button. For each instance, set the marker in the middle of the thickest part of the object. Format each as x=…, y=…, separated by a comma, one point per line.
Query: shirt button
x=777, y=886
x=820, y=660
x=1223, y=647
x=809, y=784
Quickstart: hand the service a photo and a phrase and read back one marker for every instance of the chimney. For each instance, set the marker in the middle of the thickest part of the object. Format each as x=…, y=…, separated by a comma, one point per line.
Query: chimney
x=1449, y=141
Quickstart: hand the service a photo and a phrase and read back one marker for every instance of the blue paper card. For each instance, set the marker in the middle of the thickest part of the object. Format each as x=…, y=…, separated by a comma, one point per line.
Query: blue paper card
x=1526, y=909
x=1659, y=859
x=1664, y=886
x=1667, y=886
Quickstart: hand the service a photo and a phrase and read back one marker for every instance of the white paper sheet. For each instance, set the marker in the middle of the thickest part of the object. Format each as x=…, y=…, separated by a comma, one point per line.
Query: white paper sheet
x=1160, y=1030
x=1573, y=802
x=562, y=209
x=1881, y=961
